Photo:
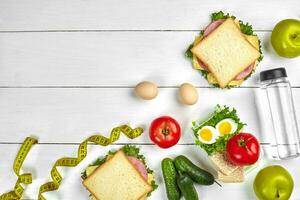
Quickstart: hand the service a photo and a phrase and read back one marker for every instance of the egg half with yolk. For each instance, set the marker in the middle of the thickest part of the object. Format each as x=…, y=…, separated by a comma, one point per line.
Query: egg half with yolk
x=226, y=126
x=208, y=135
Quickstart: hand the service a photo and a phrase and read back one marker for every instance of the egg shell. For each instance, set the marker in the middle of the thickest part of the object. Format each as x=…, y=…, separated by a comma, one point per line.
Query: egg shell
x=146, y=90
x=188, y=94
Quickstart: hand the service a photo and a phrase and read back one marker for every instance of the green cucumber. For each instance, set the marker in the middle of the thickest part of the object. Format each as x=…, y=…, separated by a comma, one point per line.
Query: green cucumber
x=170, y=177
x=186, y=186
x=184, y=165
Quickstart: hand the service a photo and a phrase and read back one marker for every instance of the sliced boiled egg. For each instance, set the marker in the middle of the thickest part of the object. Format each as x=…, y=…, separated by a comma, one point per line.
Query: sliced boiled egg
x=226, y=126
x=208, y=135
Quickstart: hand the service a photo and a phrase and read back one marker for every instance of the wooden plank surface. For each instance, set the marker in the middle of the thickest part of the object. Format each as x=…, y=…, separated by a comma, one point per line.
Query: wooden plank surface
x=68, y=68
x=70, y=115
x=111, y=59
x=43, y=156
x=136, y=14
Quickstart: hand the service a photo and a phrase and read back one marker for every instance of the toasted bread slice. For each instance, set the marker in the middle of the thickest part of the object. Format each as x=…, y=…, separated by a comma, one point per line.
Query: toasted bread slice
x=226, y=52
x=237, y=176
x=222, y=164
x=118, y=179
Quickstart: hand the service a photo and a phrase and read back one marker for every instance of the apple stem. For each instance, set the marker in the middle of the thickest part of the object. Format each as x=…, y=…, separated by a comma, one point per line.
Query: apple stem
x=297, y=39
x=277, y=194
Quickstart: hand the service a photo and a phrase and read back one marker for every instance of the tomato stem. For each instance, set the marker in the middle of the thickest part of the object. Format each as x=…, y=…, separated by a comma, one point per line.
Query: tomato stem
x=165, y=131
x=241, y=142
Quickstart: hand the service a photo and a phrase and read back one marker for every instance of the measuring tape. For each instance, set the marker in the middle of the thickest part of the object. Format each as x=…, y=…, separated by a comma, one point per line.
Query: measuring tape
x=81, y=154
x=25, y=178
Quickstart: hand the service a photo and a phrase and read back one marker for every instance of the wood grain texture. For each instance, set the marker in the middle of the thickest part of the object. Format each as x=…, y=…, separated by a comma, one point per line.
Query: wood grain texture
x=136, y=14
x=68, y=68
x=71, y=115
x=111, y=59
x=42, y=157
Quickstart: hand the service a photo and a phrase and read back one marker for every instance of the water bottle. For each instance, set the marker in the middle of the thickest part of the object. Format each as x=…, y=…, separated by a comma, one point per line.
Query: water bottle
x=280, y=111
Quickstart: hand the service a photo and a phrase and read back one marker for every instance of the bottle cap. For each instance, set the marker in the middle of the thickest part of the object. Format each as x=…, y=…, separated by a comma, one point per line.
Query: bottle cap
x=273, y=74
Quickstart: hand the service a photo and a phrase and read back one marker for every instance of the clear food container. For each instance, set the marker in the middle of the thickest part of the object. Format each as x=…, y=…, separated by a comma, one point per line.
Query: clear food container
x=279, y=110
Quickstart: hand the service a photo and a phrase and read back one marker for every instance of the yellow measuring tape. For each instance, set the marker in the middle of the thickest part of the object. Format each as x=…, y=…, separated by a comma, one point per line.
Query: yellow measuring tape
x=22, y=178
x=26, y=178
x=81, y=154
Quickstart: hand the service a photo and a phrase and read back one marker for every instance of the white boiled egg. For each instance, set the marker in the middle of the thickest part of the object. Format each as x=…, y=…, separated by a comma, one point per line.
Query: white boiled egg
x=226, y=126
x=208, y=135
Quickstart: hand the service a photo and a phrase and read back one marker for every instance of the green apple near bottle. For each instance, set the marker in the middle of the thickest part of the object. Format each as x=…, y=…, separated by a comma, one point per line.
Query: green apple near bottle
x=273, y=183
x=285, y=38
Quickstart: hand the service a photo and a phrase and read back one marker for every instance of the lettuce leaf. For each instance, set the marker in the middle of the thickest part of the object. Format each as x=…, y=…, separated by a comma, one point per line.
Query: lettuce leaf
x=154, y=187
x=220, y=113
x=220, y=15
x=188, y=52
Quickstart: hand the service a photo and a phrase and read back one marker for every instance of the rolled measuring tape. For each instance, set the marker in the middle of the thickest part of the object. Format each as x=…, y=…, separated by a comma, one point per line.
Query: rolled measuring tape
x=25, y=178
x=81, y=154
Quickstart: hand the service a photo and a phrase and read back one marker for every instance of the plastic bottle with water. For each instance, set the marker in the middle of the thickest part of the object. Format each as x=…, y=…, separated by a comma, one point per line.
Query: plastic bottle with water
x=280, y=110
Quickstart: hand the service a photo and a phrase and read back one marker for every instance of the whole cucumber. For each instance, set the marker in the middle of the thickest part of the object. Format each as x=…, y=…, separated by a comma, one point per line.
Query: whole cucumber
x=170, y=177
x=186, y=187
x=184, y=165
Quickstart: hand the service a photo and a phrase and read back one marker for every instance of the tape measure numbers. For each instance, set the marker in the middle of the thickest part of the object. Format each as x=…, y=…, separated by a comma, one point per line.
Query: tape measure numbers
x=25, y=178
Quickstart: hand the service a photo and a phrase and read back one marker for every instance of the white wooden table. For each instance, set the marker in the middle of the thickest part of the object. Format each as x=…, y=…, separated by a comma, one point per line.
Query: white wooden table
x=68, y=68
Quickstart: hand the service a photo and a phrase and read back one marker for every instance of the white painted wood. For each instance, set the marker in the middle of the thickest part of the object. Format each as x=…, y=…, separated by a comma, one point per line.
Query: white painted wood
x=111, y=59
x=136, y=14
x=42, y=157
x=71, y=115
x=117, y=59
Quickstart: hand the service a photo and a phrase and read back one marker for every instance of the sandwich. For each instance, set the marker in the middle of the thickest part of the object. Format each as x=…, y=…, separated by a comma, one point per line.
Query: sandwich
x=222, y=164
x=121, y=175
x=226, y=52
x=227, y=172
x=212, y=136
x=237, y=176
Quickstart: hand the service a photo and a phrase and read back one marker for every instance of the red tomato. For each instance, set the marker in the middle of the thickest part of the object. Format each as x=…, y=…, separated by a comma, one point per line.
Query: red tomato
x=165, y=131
x=243, y=149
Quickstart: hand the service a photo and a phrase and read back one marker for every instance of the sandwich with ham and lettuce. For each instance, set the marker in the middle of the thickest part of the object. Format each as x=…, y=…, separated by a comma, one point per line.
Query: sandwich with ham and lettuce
x=226, y=52
x=121, y=175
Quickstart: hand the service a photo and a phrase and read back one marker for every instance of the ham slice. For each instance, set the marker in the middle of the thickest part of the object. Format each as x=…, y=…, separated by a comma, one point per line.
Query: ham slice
x=244, y=73
x=202, y=64
x=240, y=76
x=139, y=165
x=210, y=28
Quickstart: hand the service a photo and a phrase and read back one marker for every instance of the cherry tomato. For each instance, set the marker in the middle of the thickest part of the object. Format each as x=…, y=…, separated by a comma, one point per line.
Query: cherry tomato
x=165, y=131
x=243, y=149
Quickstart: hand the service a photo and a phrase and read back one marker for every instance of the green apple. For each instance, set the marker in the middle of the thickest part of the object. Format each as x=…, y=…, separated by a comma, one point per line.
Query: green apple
x=273, y=183
x=285, y=38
